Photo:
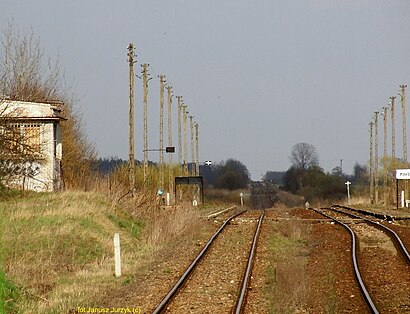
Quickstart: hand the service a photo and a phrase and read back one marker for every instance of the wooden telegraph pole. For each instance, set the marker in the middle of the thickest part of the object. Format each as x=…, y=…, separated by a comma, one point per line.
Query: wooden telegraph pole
x=376, y=156
x=179, y=132
x=131, y=62
x=393, y=129
x=169, y=102
x=384, y=113
x=145, y=100
x=161, y=130
x=185, y=112
x=191, y=127
x=403, y=112
x=197, y=149
x=371, y=164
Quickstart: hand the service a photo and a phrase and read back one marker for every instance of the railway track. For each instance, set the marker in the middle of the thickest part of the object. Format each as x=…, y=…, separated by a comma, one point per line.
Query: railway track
x=381, y=261
x=217, y=279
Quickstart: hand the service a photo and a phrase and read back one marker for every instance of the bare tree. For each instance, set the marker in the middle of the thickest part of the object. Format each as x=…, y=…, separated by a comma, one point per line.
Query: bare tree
x=26, y=74
x=304, y=156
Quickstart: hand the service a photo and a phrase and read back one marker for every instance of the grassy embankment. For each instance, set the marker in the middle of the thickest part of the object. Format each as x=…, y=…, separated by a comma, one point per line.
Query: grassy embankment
x=58, y=248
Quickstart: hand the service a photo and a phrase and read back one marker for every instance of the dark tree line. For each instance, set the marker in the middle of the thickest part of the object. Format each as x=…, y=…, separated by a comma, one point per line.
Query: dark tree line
x=230, y=174
x=305, y=176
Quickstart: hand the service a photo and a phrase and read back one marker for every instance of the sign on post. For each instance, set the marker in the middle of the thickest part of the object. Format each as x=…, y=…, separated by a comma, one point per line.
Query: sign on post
x=402, y=174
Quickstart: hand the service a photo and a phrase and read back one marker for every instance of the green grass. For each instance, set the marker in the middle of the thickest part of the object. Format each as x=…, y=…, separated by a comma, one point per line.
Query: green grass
x=126, y=222
x=58, y=247
x=9, y=295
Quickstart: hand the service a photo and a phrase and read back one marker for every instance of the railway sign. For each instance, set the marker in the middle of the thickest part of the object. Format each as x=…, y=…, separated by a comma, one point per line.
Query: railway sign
x=208, y=162
x=402, y=174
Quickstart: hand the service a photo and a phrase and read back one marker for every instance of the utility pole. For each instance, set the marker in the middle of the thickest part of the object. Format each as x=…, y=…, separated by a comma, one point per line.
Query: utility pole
x=197, y=149
x=403, y=112
x=161, y=130
x=169, y=101
x=191, y=127
x=376, y=156
x=384, y=113
x=185, y=112
x=393, y=131
x=179, y=132
x=371, y=164
x=145, y=99
x=131, y=61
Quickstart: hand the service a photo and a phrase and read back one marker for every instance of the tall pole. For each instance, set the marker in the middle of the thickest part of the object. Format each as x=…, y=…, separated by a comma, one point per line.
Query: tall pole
x=197, y=149
x=403, y=113
x=376, y=156
x=131, y=61
x=161, y=130
x=145, y=100
x=169, y=102
x=371, y=164
x=185, y=112
x=191, y=127
x=393, y=131
x=179, y=132
x=384, y=113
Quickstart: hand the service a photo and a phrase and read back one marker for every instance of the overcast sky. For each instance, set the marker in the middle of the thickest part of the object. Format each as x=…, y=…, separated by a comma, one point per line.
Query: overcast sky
x=258, y=76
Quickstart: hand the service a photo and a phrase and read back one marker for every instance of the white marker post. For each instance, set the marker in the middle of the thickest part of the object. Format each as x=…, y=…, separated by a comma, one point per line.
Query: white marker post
x=402, y=199
x=117, y=255
x=241, y=195
x=348, y=191
x=168, y=199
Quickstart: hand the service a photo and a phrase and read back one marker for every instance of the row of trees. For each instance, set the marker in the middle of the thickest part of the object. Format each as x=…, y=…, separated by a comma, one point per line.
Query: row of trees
x=230, y=174
x=307, y=178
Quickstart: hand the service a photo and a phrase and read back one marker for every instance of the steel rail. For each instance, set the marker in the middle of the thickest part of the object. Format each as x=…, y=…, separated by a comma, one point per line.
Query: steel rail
x=241, y=300
x=165, y=301
x=391, y=233
x=358, y=276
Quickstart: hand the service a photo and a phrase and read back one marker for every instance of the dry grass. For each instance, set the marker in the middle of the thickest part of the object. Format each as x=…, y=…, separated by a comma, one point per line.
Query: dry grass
x=59, y=245
x=287, y=277
x=58, y=248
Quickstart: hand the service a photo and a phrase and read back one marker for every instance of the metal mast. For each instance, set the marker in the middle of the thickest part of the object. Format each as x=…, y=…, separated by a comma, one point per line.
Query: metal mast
x=376, y=156
x=161, y=130
x=403, y=112
x=393, y=131
x=131, y=61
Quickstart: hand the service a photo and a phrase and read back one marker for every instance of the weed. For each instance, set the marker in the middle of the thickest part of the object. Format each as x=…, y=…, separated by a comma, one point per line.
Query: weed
x=286, y=274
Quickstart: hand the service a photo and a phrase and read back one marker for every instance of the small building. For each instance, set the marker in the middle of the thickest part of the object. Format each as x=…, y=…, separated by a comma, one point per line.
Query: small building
x=37, y=126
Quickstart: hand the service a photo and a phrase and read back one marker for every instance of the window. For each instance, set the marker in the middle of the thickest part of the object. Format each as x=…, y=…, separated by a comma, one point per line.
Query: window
x=23, y=137
x=32, y=136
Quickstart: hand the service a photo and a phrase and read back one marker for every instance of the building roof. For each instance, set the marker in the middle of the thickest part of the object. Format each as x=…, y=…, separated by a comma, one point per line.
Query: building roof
x=24, y=110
